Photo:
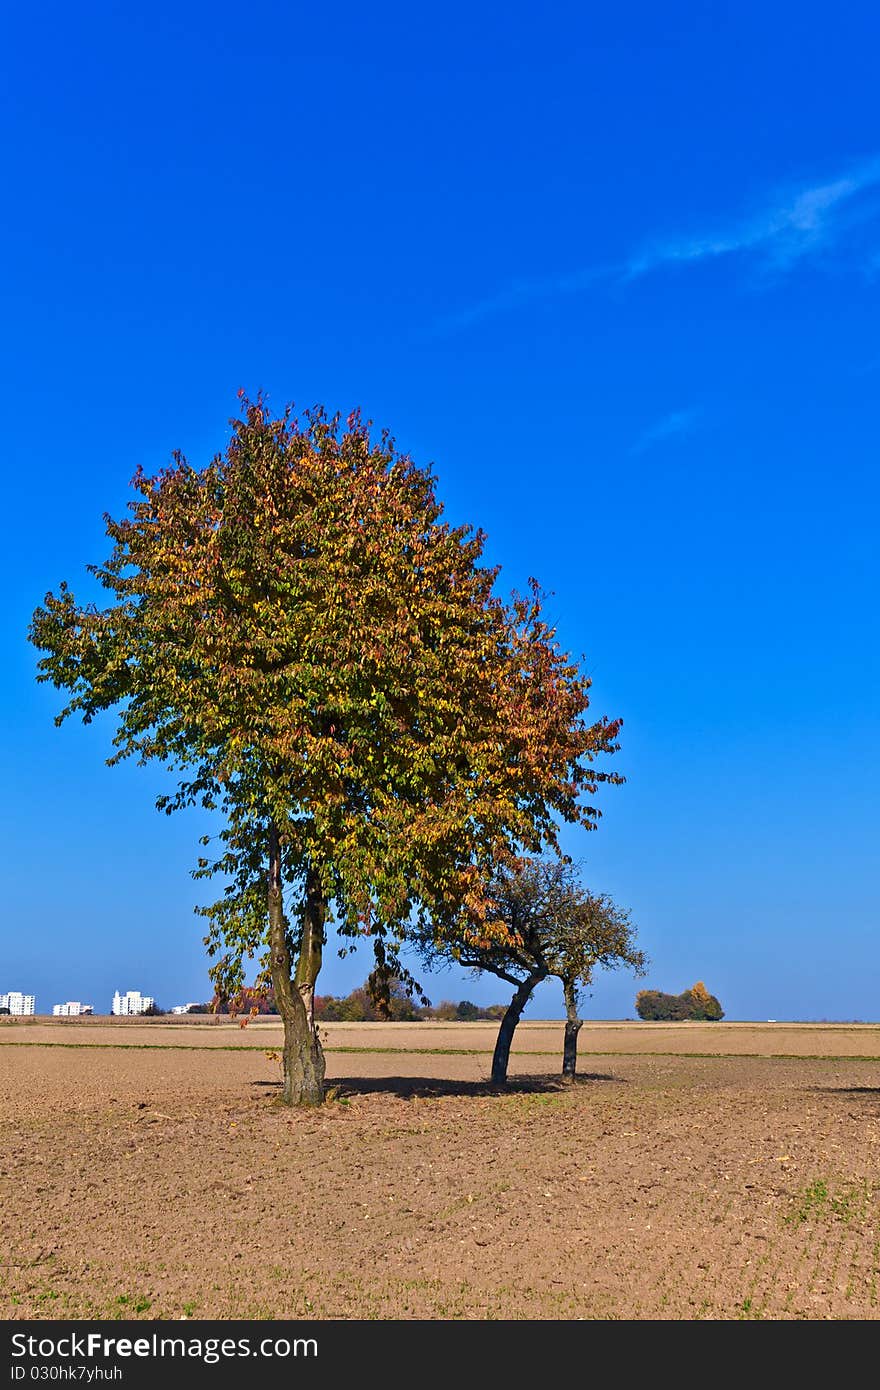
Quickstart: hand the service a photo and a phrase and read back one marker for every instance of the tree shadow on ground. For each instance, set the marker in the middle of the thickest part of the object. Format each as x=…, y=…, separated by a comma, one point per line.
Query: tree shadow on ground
x=435, y=1088
x=847, y=1090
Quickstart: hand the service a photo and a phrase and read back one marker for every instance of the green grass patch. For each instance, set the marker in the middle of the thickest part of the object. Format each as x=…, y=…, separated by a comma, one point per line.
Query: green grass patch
x=130, y=1303
x=811, y=1202
x=850, y=1203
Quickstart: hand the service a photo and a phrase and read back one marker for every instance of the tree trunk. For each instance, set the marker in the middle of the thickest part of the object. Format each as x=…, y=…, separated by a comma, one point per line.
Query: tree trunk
x=303, y=1057
x=501, y=1056
x=572, y=1028
x=311, y=949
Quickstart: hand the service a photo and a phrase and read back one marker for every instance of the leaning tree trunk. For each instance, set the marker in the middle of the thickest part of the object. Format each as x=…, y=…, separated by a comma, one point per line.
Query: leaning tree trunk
x=572, y=1028
x=303, y=1058
x=501, y=1056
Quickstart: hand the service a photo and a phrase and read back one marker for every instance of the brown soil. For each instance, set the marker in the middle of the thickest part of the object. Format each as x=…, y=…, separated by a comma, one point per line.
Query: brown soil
x=146, y=1170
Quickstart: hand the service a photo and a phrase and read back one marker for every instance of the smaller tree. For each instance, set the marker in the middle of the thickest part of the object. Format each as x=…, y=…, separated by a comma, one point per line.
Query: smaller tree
x=555, y=927
x=595, y=932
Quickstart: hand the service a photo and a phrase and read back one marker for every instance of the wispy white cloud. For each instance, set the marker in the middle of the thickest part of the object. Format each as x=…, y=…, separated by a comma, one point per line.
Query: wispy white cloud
x=526, y=291
x=803, y=223
x=676, y=422
x=819, y=220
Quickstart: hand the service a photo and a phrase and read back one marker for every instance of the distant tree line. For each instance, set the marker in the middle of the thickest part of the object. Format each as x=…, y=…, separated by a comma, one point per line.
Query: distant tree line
x=696, y=1004
x=463, y=1012
x=248, y=1002
x=360, y=1006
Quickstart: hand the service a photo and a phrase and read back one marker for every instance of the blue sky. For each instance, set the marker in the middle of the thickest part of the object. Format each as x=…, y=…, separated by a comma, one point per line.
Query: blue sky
x=616, y=273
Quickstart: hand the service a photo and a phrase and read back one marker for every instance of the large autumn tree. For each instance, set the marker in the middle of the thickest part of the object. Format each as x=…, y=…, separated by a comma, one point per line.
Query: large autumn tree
x=295, y=631
x=552, y=925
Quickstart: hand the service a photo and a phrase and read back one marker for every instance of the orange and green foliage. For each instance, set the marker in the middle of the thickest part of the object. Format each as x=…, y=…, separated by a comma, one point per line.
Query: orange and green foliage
x=695, y=1003
x=324, y=661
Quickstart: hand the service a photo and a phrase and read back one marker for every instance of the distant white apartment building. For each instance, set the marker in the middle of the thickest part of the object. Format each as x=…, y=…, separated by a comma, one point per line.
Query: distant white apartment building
x=17, y=1003
x=183, y=1008
x=132, y=1002
x=72, y=1009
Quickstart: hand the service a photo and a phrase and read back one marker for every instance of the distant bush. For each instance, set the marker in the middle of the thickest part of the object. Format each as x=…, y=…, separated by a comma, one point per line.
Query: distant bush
x=696, y=1004
x=447, y=1011
x=655, y=1006
x=444, y=1012
x=467, y=1011
x=250, y=1001
x=703, y=1006
x=256, y=1001
x=494, y=1011
x=361, y=1007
